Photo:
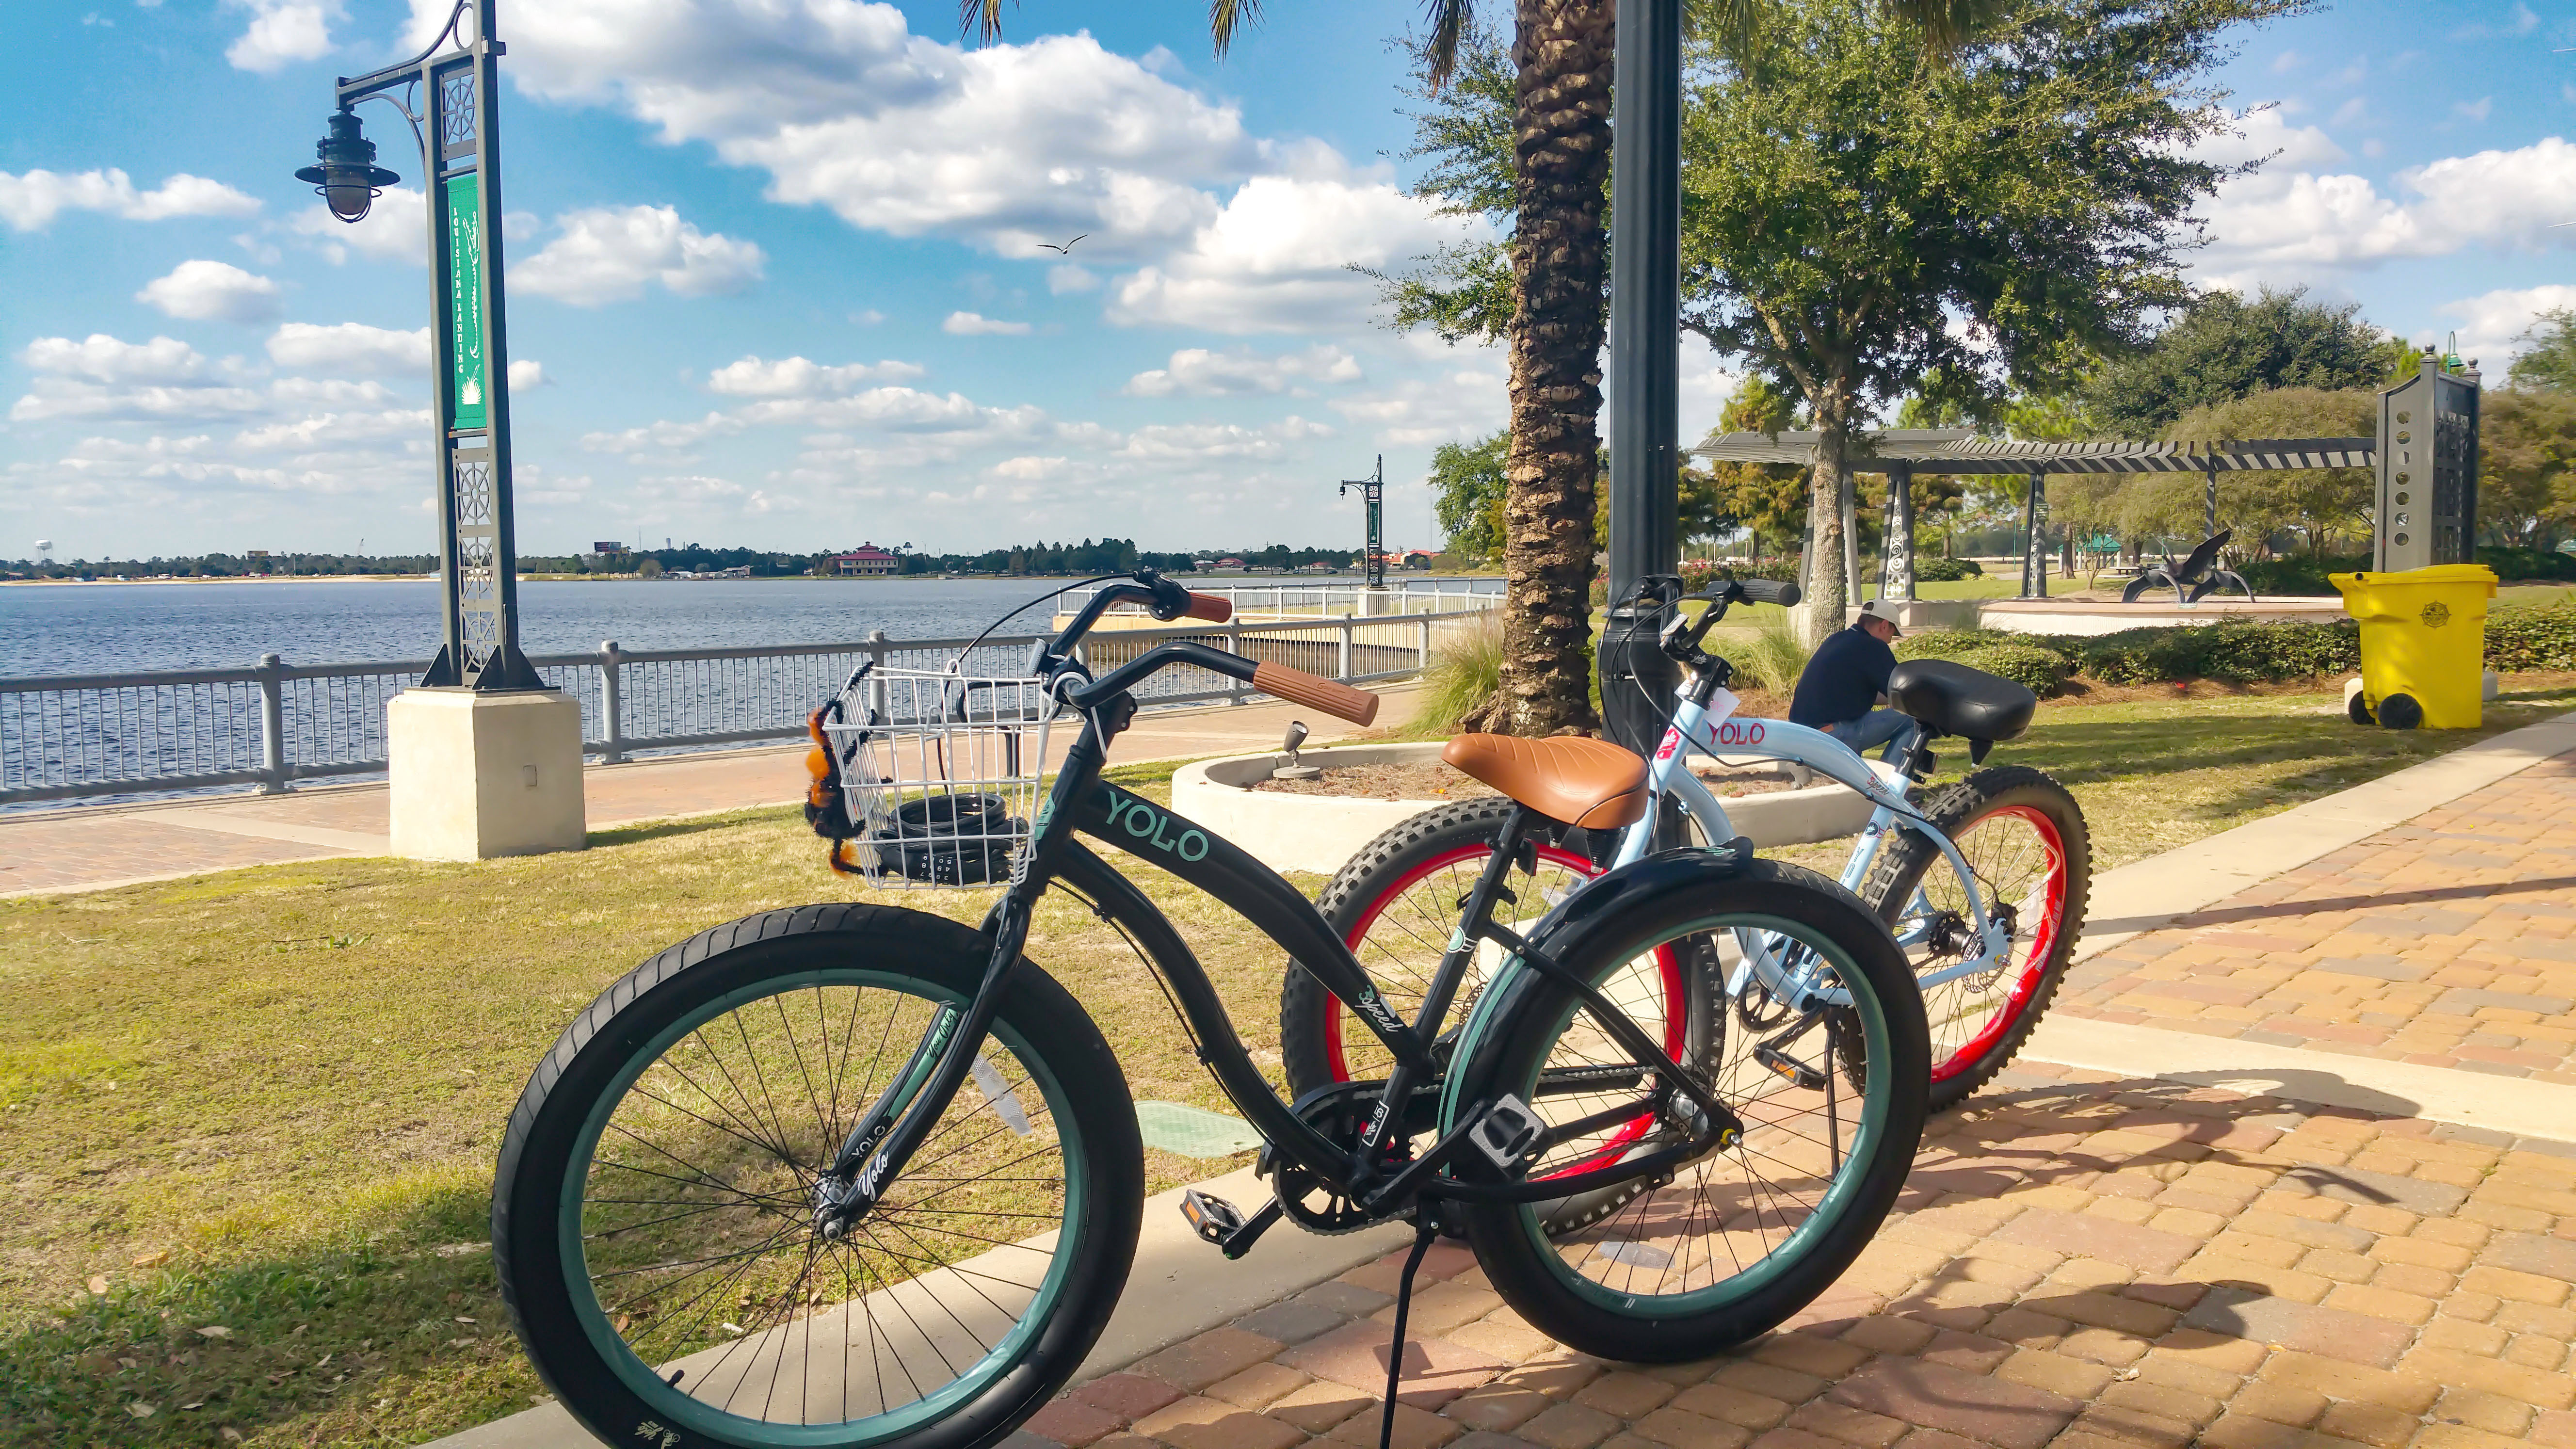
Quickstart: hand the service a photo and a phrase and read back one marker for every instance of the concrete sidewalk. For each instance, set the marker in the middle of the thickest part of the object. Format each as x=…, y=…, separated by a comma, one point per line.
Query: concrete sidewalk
x=92, y=847
x=2163, y=1228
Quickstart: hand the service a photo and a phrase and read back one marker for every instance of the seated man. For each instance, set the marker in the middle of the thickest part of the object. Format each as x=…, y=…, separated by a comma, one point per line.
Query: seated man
x=1846, y=677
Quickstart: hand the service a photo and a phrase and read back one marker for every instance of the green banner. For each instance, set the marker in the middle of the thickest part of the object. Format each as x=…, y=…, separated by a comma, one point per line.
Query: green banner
x=465, y=303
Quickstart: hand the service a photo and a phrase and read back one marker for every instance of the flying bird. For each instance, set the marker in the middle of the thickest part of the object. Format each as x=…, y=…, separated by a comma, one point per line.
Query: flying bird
x=1062, y=250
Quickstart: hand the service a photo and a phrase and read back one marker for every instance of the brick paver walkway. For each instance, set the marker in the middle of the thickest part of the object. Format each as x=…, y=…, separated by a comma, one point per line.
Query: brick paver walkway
x=2445, y=941
x=2087, y=1263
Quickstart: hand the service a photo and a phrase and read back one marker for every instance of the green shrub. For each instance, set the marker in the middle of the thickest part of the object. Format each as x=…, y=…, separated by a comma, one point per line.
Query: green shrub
x=2236, y=652
x=2298, y=575
x=1771, y=657
x=2539, y=636
x=2529, y=565
x=1946, y=570
x=1466, y=671
x=2033, y=663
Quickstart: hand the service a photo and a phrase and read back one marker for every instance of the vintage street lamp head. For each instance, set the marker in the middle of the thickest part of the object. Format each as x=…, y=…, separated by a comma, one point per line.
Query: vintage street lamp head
x=348, y=178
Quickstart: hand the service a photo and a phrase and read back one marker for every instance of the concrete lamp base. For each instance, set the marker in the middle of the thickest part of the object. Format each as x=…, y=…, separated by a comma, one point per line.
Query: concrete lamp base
x=480, y=775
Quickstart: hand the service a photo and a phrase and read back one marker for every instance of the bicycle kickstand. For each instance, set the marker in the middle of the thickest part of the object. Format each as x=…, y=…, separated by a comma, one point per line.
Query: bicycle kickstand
x=1425, y=1229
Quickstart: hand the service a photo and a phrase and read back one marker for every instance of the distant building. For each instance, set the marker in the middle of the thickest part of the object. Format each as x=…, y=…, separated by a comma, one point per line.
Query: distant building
x=1318, y=567
x=866, y=559
x=1229, y=563
x=1419, y=558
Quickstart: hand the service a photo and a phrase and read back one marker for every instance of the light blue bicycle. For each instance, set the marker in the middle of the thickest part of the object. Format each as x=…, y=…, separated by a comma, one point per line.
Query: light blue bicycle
x=1983, y=882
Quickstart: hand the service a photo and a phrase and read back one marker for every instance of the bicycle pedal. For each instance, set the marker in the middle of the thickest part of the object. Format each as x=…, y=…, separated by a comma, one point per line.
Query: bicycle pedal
x=1507, y=1132
x=1789, y=1068
x=1212, y=1218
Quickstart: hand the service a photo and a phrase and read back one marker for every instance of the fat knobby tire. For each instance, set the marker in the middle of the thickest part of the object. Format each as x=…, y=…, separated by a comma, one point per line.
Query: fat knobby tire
x=1519, y=1258
x=536, y=1154
x=1953, y=808
x=1305, y=1050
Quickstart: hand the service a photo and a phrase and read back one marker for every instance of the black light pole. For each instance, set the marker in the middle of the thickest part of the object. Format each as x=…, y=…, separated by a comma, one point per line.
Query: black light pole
x=469, y=355
x=1373, y=498
x=1645, y=360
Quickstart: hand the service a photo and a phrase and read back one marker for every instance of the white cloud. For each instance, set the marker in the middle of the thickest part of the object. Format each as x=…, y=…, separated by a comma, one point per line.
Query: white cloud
x=1006, y=146
x=798, y=377
x=32, y=201
x=1465, y=403
x=666, y=435
x=610, y=254
x=2474, y=112
x=1066, y=277
x=350, y=347
x=1208, y=442
x=527, y=372
x=101, y=358
x=106, y=377
x=1277, y=257
x=975, y=324
x=396, y=229
x=2491, y=323
x=204, y=291
x=1197, y=372
x=2277, y=221
x=283, y=32
x=867, y=318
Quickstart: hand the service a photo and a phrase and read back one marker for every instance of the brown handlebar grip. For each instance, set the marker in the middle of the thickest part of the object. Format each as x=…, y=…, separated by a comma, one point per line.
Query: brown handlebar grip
x=1356, y=705
x=1214, y=608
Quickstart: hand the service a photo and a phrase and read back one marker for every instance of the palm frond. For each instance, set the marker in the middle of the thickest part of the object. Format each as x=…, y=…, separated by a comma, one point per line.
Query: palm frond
x=981, y=19
x=1226, y=16
x=1947, y=25
x=1447, y=22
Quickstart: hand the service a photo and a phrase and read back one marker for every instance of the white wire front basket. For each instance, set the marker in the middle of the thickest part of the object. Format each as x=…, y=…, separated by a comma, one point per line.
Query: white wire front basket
x=940, y=773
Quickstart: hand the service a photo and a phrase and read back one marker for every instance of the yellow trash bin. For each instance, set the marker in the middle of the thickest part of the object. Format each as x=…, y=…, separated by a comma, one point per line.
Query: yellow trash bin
x=2423, y=644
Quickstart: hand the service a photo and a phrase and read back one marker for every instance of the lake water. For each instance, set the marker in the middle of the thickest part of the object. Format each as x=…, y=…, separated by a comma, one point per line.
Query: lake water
x=103, y=628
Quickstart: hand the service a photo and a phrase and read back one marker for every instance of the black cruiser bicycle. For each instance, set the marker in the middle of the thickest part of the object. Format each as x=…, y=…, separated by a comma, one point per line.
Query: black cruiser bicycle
x=858, y=1175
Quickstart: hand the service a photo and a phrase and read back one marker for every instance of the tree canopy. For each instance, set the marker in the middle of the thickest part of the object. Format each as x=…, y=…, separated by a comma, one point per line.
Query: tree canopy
x=2549, y=356
x=2224, y=347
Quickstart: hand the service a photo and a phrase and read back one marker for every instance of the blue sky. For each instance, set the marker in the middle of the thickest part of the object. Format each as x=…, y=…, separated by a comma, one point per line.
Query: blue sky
x=776, y=275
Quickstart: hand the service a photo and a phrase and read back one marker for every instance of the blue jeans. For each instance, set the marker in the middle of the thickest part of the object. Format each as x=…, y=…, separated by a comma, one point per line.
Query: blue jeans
x=1870, y=730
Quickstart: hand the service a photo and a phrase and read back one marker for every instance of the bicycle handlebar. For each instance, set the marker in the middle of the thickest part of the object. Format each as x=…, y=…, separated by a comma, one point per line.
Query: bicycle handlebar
x=1210, y=607
x=1767, y=591
x=1356, y=705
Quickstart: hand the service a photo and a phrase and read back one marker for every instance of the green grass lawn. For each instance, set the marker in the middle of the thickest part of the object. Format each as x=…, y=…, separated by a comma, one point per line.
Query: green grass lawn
x=266, y=1102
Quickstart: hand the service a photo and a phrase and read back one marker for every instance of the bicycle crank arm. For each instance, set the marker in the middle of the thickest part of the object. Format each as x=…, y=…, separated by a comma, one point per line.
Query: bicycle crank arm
x=1631, y=1037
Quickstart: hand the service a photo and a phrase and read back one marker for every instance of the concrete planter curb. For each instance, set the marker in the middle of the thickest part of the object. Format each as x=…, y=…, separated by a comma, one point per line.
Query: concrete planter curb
x=1317, y=833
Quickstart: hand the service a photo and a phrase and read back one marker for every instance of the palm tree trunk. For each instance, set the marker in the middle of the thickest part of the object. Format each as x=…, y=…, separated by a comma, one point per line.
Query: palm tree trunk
x=1561, y=128
x=1826, y=598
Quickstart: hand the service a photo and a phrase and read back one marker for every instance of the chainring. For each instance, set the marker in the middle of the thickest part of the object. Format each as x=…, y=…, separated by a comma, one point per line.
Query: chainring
x=1340, y=1112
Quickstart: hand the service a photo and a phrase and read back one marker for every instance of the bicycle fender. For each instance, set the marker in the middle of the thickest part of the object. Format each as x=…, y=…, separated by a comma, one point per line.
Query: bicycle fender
x=1597, y=907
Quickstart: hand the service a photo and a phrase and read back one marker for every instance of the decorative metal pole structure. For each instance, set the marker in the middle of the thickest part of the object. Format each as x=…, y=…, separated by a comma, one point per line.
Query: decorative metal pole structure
x=2034, y=549
x=1373, y=499
x=1896, y=578
x=469, y=350
x=483, y=759
x=1645, y=359
x=2428, y=468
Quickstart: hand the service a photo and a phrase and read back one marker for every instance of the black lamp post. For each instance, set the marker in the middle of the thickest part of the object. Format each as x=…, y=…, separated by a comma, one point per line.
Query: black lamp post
x=469, y=358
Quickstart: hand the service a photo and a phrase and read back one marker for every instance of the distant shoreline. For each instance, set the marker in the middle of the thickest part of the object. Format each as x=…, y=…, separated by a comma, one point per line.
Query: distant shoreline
x=1290, y=580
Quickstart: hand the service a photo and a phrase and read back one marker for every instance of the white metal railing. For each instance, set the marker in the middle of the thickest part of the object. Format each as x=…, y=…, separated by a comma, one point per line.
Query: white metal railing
x=1411, y=596
x=68, y=737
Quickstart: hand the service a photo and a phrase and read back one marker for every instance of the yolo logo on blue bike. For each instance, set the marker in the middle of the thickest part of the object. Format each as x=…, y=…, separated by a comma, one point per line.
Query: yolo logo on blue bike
x=1141, y=821
x=1738, y=732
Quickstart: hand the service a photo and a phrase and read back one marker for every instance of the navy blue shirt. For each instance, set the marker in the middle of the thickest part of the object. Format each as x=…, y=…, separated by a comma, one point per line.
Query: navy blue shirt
x=1844, y=679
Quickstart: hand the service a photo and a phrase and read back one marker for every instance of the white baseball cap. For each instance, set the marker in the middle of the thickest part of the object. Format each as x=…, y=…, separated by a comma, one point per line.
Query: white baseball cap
x=1884, y=612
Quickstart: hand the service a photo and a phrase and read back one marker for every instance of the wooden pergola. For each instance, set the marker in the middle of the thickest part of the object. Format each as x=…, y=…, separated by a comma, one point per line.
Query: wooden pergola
x=1900, y=453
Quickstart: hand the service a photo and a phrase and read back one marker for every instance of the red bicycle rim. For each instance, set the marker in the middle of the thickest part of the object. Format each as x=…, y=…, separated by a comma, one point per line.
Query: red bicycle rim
x=2043, y=944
